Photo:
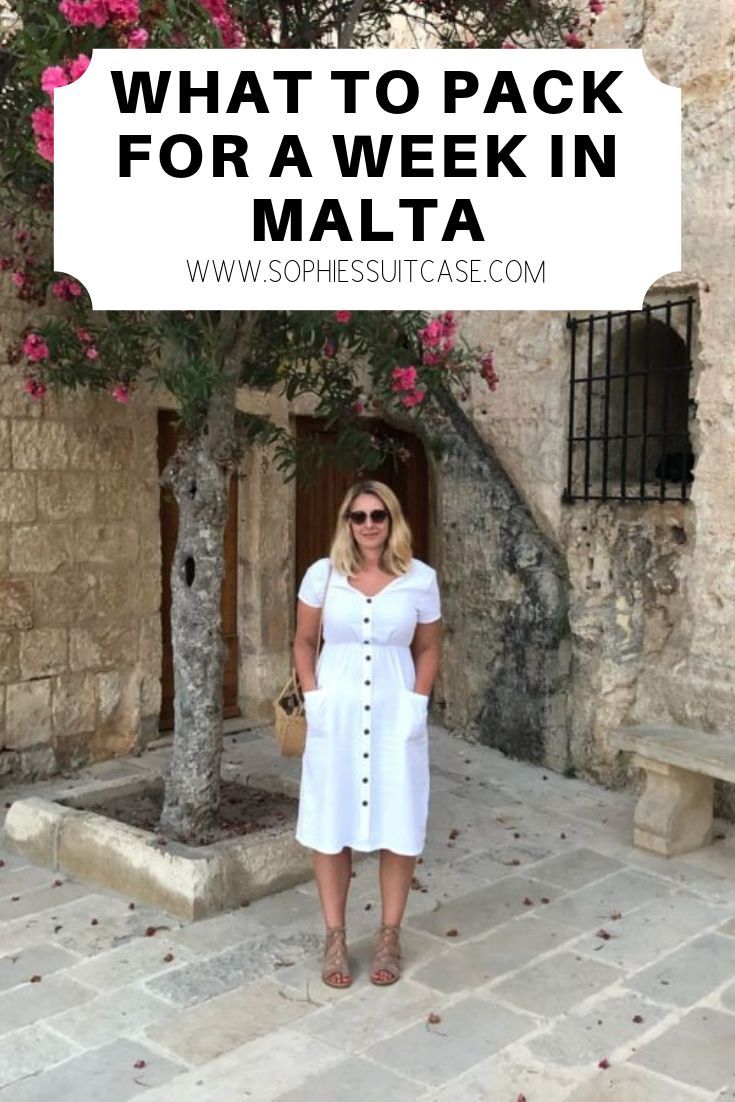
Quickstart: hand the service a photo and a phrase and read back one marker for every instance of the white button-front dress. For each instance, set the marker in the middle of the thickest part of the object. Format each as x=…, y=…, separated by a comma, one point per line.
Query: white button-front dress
x=365, y=773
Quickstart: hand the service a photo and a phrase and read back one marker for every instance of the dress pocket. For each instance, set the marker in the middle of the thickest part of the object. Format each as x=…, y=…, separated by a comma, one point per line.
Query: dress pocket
x=314, y=707
x=416, y=707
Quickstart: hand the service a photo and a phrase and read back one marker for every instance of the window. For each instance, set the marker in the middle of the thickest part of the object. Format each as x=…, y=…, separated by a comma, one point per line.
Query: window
x=629, y=405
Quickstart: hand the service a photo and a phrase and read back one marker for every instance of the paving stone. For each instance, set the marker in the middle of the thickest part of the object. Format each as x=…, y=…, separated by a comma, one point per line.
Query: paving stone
x=28, y=1051
x=355, y=1078
x=41, y=960
x=31, y=1002
x=138, y=959
x=478, y=911
x=70, y=926
x=235, y=966
x=648, y=932
x=107, y=1074
x=628, y=1084
x=699, y=1050
x=729, y=927
x=576, y=868
x=285, y=908
x=369, y=1014
x=40, y=899
x=592, y=906
x=123, y=1013
x=690, y=973
x=206, y=1031
x=262, y=1070
x=551, y=986
x=469, y=1032
x=585, y=1036
x=485, y=959
x=219, y=931
x=25, y=879
x=506, y=1077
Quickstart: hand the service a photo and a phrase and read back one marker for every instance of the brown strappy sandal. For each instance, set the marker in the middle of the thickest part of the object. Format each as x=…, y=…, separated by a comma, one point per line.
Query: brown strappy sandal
x=387, y=956
x=335, y=958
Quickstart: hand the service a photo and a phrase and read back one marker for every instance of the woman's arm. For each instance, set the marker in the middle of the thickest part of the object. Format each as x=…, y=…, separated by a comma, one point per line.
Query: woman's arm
x=425, y=649
x=306, y=644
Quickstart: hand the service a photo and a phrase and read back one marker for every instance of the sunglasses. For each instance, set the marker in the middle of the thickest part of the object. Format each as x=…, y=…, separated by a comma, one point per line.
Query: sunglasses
x=359, y=516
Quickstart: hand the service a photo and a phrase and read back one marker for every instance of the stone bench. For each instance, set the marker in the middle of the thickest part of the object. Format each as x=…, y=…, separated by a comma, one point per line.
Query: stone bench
x=674, y=812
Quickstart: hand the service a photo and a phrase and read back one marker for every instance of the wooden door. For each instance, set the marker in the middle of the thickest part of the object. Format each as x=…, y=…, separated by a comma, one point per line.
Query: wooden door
x=168, y=428
x=318, y=502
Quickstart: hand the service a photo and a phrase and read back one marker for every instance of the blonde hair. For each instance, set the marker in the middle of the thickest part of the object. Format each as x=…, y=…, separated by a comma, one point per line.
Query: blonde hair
x=396, y=555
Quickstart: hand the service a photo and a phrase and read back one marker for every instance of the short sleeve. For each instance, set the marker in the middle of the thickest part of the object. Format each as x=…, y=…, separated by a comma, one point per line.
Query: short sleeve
x=314, y=584
x=429, y=608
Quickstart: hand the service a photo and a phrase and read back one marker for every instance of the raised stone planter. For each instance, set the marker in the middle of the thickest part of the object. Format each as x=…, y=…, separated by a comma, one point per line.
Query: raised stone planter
x=188, y=881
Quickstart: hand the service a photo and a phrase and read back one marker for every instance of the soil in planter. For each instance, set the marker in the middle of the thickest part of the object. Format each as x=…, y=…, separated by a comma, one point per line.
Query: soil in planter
x=243, y=810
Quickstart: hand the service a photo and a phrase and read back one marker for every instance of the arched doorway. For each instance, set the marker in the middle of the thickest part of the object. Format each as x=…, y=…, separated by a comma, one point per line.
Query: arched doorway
x=317, y=502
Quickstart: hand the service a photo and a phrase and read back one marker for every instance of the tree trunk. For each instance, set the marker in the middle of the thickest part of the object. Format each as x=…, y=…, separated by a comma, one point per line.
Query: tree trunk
x=199, y=476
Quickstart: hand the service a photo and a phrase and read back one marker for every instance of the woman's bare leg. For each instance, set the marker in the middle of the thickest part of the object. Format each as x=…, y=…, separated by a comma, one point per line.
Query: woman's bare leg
x=396, y=872
x=333, y=872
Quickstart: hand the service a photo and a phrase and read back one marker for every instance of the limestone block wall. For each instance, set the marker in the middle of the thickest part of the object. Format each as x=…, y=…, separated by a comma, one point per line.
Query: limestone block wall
x=79, y=579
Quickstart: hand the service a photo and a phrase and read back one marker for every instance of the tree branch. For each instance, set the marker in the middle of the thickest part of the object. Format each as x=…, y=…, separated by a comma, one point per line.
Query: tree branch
x=347, y=29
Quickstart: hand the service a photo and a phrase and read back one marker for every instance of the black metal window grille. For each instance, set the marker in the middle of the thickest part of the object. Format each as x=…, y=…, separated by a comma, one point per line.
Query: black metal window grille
x=629, y=405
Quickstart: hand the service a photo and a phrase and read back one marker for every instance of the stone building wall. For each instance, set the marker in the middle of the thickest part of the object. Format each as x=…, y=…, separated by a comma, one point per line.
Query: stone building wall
x=79, y=578
x=651, y=585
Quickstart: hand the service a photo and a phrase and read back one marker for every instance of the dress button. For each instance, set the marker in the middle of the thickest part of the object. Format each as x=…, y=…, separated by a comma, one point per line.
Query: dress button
x=367, y=707
x=366, y=731
x=364, y=803
x=369, y=600
x=367, y=657
x=366, y=620
x=366, y=755
x=367, y=682
x=364, y=780
x=366, y=642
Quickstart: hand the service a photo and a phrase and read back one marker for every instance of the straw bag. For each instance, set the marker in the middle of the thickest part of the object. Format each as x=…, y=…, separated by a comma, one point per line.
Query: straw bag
x=290, y=716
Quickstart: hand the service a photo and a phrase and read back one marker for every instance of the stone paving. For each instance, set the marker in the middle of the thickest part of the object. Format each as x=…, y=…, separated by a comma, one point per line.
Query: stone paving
x=542, y=944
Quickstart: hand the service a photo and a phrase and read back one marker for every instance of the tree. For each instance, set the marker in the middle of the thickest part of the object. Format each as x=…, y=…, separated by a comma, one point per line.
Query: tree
x=203, y=358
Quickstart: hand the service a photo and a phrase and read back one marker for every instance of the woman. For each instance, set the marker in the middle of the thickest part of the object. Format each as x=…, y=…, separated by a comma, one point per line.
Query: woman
x=365, y=777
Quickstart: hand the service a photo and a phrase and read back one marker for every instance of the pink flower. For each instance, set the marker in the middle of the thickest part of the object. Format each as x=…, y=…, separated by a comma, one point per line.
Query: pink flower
x=18, y=279
x=508, y=45
x=343, y=316
x=84, y=336
x=404, y=378
x=6, y=263
x=573, y=42
x=431, y=359
x=42, y=121
x=92, y=353
x=79, y=66
x=35, y=348
x=597, y=7
x=432, y=334
x=121, y=393
x=34, y=388
x=45, y=148
x=126, y=11
x=138, y=39
x=53, y=77
x=413, y=399
x=358, y=408
x=487, y=370
x=81, y=13
x=328, y=350
x=66, y=289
